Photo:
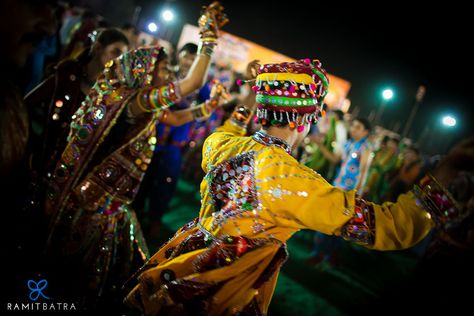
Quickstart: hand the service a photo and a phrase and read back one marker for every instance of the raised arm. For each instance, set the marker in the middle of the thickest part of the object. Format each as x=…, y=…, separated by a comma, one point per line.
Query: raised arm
x=197, y=75
x=210, y=22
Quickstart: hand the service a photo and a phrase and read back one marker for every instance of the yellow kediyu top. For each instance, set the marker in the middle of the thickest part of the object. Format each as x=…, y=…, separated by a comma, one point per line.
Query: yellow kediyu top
x=255, y=196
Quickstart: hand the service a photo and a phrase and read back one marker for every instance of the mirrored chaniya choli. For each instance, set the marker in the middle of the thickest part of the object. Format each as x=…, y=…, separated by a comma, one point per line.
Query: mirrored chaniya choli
x=233, y=190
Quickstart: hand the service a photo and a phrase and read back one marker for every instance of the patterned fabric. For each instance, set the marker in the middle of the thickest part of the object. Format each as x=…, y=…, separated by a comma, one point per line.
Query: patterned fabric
x=112, y=92
x=269, y=140
x=118, y=177
x=194, y=296
x=232, y=186
x=136, y=67
x=361, y=228
x=349, y=171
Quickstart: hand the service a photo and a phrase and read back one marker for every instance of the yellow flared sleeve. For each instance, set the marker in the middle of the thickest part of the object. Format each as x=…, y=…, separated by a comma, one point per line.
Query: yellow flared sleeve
x=300, y=198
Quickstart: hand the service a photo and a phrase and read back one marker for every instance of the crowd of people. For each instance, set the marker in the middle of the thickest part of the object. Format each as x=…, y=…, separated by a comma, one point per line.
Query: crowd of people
x=96, y=131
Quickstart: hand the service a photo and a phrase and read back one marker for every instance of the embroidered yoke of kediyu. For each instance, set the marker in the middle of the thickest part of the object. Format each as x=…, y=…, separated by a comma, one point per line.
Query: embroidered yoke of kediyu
x=255, y=196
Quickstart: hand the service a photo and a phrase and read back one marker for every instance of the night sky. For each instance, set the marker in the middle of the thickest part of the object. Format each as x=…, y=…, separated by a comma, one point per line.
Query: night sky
x=392, y=44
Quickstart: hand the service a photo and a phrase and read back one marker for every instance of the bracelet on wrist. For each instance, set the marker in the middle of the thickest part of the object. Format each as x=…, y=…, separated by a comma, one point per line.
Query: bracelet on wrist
x=207, y=50
x=209, y=40
x=155, y=98
x=200, y=112
x=204, y=110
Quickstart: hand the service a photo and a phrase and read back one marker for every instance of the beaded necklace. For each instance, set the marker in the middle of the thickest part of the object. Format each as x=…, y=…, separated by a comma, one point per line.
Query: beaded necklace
x=269, y=140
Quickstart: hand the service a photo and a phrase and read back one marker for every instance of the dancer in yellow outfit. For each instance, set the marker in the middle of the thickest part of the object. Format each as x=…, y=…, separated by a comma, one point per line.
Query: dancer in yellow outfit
x=255, y=196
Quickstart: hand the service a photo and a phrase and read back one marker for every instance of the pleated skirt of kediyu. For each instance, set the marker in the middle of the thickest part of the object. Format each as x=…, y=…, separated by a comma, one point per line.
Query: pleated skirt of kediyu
x=198, y=274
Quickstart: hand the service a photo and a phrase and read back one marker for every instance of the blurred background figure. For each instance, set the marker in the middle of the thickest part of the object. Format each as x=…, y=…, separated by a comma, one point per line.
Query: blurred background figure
x=55, y=100
x=382, y=162
x=79, y=33
x=405, y=175
x=46, y=54
x=353, y=160
x=334, y=140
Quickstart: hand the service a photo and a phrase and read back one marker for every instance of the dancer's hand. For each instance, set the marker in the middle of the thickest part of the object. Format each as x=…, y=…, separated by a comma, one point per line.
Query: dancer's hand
x=252, y=70
x=212, y=19
x=218, y=96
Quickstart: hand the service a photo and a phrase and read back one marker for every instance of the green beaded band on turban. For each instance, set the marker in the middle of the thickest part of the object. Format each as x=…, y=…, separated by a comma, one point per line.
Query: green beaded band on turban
x=284, y=101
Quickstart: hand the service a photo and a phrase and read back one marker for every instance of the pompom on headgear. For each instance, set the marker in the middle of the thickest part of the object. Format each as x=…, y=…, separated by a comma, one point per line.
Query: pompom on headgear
x=290, y=92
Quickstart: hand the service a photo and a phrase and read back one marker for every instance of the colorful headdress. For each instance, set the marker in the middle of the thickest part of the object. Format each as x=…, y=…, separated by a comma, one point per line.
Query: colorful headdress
x=290, y=92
